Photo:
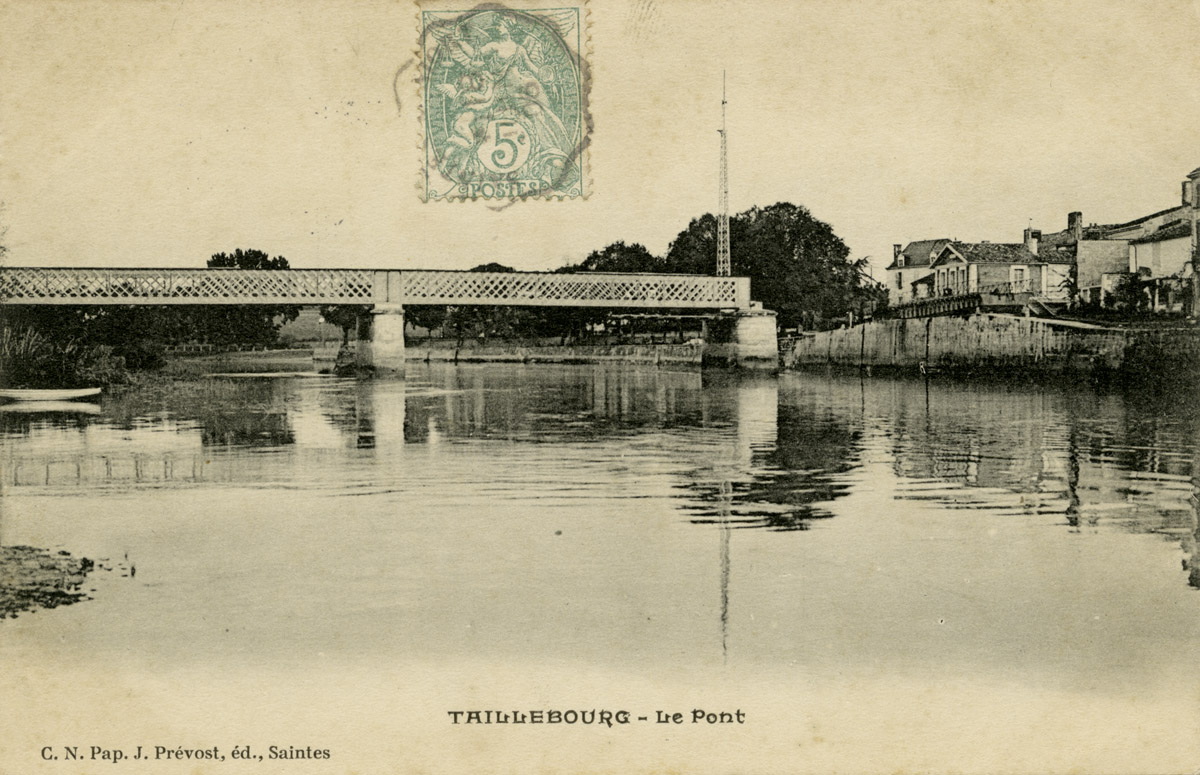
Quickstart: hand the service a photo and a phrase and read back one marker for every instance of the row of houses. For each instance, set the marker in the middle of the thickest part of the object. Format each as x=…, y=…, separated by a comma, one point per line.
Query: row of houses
x=1081, y=263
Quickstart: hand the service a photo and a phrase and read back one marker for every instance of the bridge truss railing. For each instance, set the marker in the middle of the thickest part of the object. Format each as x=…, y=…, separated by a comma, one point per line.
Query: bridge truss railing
x=29, y=285
x=579, y=289
x=35, y=285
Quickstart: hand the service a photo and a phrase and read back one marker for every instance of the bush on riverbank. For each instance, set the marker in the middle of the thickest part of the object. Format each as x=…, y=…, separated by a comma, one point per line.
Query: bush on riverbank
x=30, y=360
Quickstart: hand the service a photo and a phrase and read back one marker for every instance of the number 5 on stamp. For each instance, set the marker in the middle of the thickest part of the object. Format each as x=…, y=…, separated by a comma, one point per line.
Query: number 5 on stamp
x=506, y=148
x=504, y=92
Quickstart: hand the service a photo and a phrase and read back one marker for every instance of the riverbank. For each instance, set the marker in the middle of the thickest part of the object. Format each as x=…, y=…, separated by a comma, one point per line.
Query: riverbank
x=999, y=344
x=29, y=359
x=654, y=354
x=245, y=361
x=325, y=359
x=982, y=345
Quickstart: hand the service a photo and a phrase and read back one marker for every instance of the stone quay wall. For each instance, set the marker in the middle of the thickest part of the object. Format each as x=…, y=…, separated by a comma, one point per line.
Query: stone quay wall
x=998, y=344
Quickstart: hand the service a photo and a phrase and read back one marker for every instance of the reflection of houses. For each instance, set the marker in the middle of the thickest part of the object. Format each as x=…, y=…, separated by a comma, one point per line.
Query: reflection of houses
x=1128, y=460
x=968, y=267
x=911, y=265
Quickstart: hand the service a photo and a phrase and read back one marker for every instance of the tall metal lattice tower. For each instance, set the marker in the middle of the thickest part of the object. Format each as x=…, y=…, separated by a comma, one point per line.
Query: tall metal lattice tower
x=723, y=261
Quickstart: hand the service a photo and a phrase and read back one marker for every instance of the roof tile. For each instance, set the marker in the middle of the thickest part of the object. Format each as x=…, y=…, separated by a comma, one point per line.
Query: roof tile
x=1002, y=253
x=920, y=252
x=1173, y=230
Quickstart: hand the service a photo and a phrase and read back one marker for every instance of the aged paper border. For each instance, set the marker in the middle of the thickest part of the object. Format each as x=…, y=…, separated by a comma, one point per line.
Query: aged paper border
x=412, y=79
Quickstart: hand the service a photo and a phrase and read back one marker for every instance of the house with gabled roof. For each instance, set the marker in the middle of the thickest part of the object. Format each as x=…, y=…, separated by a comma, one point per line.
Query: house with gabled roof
x=1092, y=260
x=910, y=264
x=973, y=267
x=1162, y=246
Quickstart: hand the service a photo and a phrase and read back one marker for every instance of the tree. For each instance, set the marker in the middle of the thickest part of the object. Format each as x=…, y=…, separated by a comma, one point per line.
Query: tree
x=869, y=295
x=427, y=317
x=343, y=315
x=488, y=321
x=246, y=259
x=619, y=257
x=1194, y=308
x=1129, y=295
x=797, y=265
x=136, y=333
x=694, y=250
x=244, y=325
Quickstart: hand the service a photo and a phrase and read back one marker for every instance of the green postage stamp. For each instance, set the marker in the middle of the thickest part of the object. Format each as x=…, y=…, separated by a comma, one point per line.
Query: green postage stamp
x=504, y=92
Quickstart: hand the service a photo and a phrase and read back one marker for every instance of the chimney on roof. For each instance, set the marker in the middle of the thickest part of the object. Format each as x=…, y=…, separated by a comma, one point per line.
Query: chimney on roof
x=1075, y=225
x=896, y=251
x=1031, y=240
x=1191, y=191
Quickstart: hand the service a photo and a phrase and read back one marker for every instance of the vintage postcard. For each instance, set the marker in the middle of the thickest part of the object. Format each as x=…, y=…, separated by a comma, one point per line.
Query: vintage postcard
x=599, y=386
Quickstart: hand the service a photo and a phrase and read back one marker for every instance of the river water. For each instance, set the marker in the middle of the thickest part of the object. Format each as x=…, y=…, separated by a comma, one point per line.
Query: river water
x=879, y=574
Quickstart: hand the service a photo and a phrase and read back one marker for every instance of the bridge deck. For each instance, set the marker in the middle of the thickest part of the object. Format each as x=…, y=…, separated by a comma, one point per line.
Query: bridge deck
x=35, y=285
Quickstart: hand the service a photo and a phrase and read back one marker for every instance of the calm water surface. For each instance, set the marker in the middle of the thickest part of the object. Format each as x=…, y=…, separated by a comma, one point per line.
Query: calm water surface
x=806, y=529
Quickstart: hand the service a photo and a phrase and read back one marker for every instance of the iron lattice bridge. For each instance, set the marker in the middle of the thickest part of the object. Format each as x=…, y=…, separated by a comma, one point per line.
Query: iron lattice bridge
x=33, y=285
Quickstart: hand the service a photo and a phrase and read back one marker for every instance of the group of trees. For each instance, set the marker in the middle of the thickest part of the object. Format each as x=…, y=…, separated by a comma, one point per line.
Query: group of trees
x=797, y=267
x=483, y=321
x=138, y=334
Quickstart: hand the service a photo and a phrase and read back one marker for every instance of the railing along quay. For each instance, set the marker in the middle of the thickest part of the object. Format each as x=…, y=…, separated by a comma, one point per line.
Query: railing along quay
x=995, y=294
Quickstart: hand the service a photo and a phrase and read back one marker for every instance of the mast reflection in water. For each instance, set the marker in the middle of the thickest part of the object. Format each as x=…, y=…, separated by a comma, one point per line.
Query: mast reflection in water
x=662, y=512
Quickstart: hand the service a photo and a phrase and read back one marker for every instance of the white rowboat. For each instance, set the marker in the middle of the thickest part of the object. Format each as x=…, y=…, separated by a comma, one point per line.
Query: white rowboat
x=48, y=395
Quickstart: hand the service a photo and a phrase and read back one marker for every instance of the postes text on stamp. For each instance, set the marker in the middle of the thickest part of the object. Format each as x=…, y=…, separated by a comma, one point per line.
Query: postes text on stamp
x=505, y=103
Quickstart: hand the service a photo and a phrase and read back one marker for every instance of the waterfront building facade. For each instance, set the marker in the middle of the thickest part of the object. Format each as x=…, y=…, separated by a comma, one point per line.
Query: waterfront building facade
x=910, y=265
x=1087, y=263
x=1099, y=255
x=1161, y=254
x=968, y=267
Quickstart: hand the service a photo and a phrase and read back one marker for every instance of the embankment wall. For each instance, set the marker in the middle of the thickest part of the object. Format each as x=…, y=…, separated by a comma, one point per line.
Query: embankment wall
x=998, y=343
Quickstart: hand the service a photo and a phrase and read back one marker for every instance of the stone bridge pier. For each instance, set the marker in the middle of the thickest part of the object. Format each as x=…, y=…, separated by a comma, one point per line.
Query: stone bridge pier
x=381, y=341
x=381, y=328
x=746, y=339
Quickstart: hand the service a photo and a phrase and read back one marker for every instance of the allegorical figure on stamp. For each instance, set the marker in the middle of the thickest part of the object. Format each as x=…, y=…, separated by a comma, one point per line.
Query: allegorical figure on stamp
x=503, y=101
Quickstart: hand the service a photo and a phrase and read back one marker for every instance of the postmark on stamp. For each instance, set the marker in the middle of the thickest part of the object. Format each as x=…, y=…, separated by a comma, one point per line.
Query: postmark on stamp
x=504, y=93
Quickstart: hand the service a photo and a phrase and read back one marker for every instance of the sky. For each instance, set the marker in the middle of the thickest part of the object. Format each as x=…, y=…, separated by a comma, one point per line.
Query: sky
x=143, y=133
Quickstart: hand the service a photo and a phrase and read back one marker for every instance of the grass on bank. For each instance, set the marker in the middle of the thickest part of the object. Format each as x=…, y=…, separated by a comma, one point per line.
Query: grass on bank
x=30, y=360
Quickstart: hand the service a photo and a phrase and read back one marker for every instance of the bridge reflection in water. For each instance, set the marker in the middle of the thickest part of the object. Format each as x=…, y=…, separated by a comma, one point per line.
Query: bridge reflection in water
x=746, y=452
x=845, y=548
